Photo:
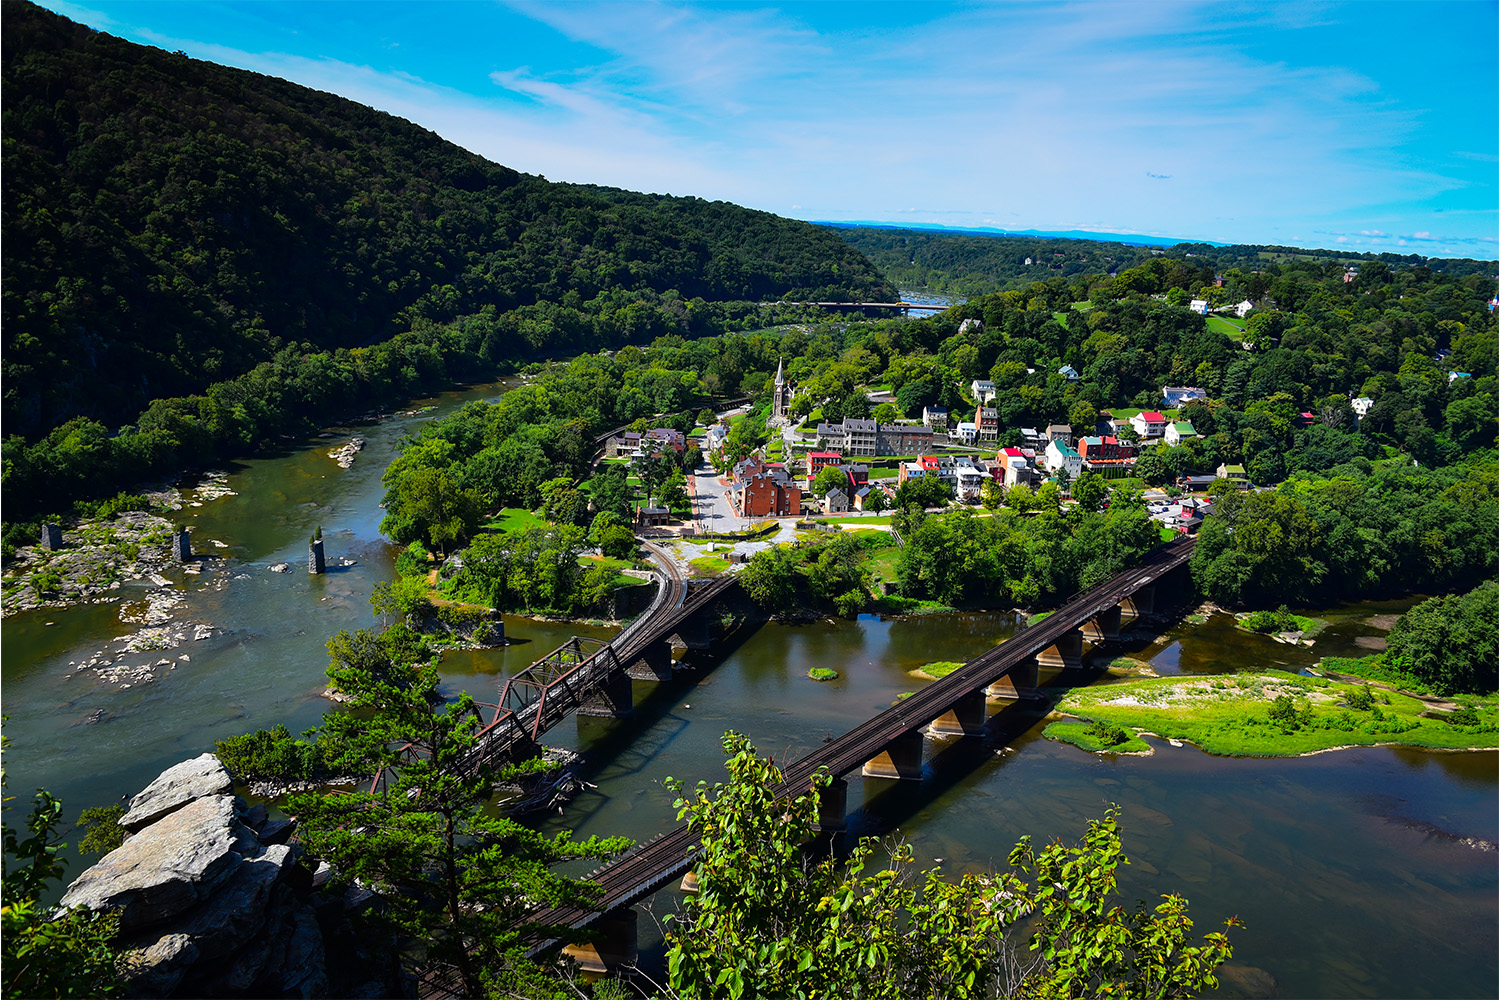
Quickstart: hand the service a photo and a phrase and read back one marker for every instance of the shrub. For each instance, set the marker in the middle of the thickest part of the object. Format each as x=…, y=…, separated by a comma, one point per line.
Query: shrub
x=1360, y=699
x=1107, y=733
x=412, y=560
x=268, y=754
x=1283, y=712
x=823, y=674
x=1464, y=715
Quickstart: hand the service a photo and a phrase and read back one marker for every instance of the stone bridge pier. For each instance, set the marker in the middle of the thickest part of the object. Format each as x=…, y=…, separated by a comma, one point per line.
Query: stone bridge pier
x=966, y=717
x=1103, y=627
x=901, y=759
x=616, y=942
x=1067, y=652
x=611, y=700
x=1019, y=683
x=655, y=663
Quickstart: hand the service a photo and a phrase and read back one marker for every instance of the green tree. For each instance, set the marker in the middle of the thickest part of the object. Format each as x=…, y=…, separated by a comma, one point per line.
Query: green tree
x=1449, y=642
x=460, y=880
x=769, y=921
x=610, y=491
x=70, y=955
x=1090, y=491
x=830, y=477
x=924, y=492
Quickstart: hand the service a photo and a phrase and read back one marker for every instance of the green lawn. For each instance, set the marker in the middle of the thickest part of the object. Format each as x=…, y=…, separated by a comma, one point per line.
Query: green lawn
x=1230, y=714
x=515, y=519
x=709, y=565
x=1232, y=327
x=857, y=520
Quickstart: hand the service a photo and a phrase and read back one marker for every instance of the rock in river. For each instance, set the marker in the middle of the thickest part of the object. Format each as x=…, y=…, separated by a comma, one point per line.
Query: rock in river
x=175, y=787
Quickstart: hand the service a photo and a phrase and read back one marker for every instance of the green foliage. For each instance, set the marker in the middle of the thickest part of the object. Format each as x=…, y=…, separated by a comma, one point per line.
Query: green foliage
x=532, y=569
x=459, y=880
x=1107, y=733
x=102, y=830
x=69, y=955
x=1360, y=699
x=1266, y=622
x=924, y=492
x=271, y=755
x=1395, y=528
x=768, y=921
x=823, y=673
x=1449, y=642
x=828, y=571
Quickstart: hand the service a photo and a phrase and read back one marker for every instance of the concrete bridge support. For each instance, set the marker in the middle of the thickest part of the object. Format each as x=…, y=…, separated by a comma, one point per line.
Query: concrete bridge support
x=833, y=806
x=1142, y=602
x=694, y=632
x=1067, y=652
x=1103, y=627
x=616, y=943
x=1019, y=683
x=965, y=718
x=654, y=665
x=612, y=699
x=901, y=760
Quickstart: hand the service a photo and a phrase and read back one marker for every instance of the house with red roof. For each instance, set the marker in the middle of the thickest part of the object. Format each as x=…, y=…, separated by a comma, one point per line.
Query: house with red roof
x=1149, y=424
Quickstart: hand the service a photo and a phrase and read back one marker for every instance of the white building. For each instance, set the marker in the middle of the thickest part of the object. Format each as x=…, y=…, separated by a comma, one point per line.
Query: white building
x=1149, y=425
x=1199, y=306
x=1060, y=456
x=1243, y=308
x=965, y=432
x=982, y=390
x=1361, y=406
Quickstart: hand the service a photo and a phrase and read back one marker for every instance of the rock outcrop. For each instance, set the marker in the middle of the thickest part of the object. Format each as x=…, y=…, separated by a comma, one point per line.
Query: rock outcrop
x=213, y=900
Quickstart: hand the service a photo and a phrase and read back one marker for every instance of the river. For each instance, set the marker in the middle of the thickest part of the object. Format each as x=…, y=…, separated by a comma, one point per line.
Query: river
x=1357, y=873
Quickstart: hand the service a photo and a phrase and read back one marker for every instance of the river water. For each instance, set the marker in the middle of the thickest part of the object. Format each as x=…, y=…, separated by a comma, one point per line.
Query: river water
x=1365, y=872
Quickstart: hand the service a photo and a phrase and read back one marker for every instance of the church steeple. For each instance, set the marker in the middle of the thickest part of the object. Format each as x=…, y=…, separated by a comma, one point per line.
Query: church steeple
x=779, y=378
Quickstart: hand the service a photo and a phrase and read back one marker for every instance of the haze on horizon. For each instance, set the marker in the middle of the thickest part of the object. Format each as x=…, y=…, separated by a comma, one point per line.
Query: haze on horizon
x=1371, y=127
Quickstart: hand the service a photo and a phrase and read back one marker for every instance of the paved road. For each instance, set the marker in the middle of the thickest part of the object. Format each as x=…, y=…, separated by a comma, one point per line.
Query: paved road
x=712, y=511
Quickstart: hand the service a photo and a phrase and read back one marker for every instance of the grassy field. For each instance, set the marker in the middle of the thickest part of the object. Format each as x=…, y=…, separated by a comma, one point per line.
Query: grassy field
x=1231, y=327
x=708, y=565
x=515, y=519
x=857, y=520
x=1231, y=714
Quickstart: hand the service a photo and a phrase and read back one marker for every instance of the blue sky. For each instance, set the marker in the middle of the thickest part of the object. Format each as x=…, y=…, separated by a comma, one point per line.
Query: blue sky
x=1371, y=126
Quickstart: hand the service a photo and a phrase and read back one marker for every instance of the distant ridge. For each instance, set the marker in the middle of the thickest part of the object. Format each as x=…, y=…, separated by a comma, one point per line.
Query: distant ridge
x=1129, y=239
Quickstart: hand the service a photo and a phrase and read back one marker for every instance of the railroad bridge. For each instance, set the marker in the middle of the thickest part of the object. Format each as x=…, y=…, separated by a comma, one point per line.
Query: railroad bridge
x=592, y=677
x=892, y=745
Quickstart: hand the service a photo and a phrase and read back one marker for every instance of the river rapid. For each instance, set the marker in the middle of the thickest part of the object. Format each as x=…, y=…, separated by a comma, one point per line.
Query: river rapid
x=1359, y=873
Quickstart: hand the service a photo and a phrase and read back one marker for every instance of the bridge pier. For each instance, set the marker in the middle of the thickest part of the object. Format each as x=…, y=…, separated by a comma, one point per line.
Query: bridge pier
x=1019, y=683
x=616, y=942
x=689, y=883
x=965, y=718
x=901, y=759
x=694, y=632
x=655, y=663
x=1103, y=627
x=833, y=806
x=611, y=700
x=1142, y=602
x=1067, y=652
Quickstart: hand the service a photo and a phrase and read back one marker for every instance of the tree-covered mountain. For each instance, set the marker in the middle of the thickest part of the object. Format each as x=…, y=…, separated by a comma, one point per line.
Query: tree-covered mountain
x=976, y=264
x=170, y=223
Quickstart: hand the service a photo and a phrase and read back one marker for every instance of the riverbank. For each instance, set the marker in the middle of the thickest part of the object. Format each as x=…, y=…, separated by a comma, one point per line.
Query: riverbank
x=1280, y=714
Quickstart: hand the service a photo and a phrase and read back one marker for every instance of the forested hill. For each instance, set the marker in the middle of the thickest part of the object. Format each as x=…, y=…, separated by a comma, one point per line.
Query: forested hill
x=969, y=264
x=170, y=223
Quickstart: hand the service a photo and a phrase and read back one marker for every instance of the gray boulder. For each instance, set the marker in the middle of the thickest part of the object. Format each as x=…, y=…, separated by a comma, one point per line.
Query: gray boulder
x=168, y=867
x=176, y=787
